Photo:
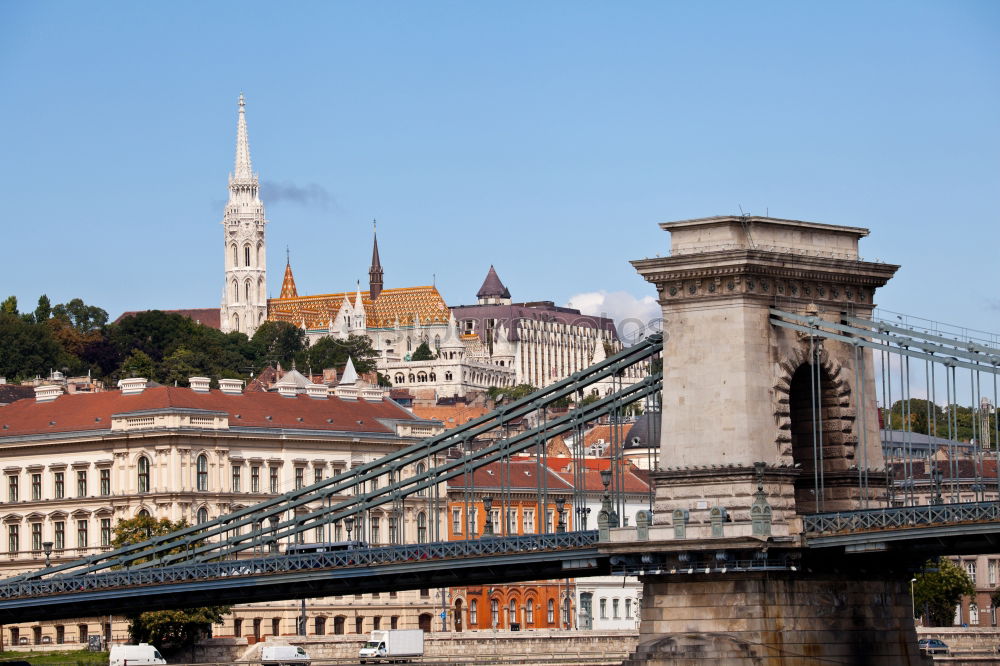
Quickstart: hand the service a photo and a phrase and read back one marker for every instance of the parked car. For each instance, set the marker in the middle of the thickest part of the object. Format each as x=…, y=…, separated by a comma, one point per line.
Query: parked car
x=933, y=646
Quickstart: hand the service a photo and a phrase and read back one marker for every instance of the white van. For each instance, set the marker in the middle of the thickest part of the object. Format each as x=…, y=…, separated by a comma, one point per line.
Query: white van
x=283, y=655
x=135, y=655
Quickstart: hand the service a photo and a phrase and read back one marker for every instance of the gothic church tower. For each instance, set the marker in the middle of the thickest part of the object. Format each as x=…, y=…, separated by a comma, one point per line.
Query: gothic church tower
x=244, y=296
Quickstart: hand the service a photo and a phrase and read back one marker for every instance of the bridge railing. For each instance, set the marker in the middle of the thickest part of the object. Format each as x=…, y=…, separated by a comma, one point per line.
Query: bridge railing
x=901, y=517
x=279, y=563
x=338, y=496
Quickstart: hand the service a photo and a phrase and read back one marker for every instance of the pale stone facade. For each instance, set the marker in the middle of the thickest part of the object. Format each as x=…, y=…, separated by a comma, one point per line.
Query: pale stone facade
x=74, y=465
x=244, y=294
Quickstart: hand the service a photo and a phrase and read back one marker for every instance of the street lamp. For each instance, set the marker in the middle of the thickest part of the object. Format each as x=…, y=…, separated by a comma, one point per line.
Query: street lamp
x=47, y=549
x=913, y=606
x=349, y=524
x=488, y=506
x=561, y=510
x=581, y=517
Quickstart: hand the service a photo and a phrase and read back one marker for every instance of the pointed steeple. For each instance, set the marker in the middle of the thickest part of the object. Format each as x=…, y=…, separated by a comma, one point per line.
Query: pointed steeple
x=493, y=291
x=243, y=169
x=350, y=375
x=288, y=289
x=375, y=272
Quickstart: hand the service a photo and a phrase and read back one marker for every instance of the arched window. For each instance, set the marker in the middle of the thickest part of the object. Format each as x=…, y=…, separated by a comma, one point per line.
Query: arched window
x=512, y=611
x=421, y=527
x=236, y=322
x=447, y=376
x=421, y=376
x=409, y=344
x=473, y=614
x=260, y=254
x=529, y=612
x=202, y=472
x=432, y=377
x=399, y=378
x=246, y=255
x=421, y=468
x=551, y=612
x=143, y=513
x=143, y=466
x=236, y=257
x=236, y=292
x=437, y=342
x=412, y=378
x=320, y=628
x=973, y=613
x=495, y=612
x=246, y=291
x=202, y=515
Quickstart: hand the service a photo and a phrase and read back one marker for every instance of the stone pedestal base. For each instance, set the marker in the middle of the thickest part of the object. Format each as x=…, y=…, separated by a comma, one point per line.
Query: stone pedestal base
x=775, y=618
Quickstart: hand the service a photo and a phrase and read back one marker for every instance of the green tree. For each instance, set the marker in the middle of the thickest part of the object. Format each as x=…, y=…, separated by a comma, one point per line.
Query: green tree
x=423, y=353
x=166, y=629
x=44, y=309
x=179, y=366
x=83, y=317
x=332, y=353
x=139, y=364
x=26, y=348
x=9, y=306
x=936, y=593
x=277, y=342
x=511, y=394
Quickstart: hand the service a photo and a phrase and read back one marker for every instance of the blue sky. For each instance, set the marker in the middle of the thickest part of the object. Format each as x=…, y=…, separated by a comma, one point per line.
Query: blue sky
x=548, y=139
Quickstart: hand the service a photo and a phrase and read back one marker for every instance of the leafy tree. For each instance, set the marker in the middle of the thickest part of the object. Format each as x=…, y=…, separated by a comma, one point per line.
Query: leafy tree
x=44, y=309
x=936, y=593
x=499, y=395
x=138, y=364
x=276, y=342
x=83, y=317
x=9, y=306
x=423, y=353
x=167, y=628
x=27, y=349
x=179, y=366
x=332, y=353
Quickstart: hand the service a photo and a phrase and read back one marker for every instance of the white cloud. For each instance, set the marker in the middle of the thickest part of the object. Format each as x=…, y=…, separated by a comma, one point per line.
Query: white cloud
x=634, y=317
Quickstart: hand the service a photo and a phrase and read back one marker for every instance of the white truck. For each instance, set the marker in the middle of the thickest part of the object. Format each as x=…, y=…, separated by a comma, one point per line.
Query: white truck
x=134, y=655
x=283, y=655
x=393, y=645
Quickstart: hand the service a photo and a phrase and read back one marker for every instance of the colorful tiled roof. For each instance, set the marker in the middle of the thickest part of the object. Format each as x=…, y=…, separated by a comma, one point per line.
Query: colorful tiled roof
x=288, y=289
x=407, y=305
x=92, y=411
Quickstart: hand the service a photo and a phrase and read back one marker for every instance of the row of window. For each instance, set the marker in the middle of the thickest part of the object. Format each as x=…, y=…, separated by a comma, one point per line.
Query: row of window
x=551, y=612
x=510, y=526
x=319, y=628
x=247, y=254
x=59, y=535
x=992, y=567
x=59, y=480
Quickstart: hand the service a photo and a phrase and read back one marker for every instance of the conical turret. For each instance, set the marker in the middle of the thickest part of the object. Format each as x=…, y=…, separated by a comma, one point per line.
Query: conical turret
x=288, y=289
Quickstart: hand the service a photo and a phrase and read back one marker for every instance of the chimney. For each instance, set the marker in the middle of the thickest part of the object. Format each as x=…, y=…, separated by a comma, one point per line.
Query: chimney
x=318, y=391
x=132, y=385
x=47, y=393
x=199, y=384
x=231, y=386
x=287, y=390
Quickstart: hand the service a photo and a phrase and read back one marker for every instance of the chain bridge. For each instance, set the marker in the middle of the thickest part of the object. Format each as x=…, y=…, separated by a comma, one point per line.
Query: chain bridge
x=800, y=484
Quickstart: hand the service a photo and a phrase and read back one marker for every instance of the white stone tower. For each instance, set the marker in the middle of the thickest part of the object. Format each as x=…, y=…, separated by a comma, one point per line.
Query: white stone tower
x=244, y=295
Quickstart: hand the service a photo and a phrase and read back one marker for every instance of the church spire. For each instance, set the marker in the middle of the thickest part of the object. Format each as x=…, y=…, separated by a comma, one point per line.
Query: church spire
x=375, y=272
x=243, y=169
x=288, y=289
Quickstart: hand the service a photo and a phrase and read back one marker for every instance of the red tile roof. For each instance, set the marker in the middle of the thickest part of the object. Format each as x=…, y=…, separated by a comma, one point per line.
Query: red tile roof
x=523, y=475
x=206, y=316
x=81, y=411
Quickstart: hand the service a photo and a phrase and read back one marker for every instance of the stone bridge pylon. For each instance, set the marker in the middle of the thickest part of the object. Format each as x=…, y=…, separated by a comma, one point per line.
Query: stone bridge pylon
x=762, y=425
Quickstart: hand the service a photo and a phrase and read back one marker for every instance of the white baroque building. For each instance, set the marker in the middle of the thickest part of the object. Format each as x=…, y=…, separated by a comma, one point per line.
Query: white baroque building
x=244, y=294
x=76, y=464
